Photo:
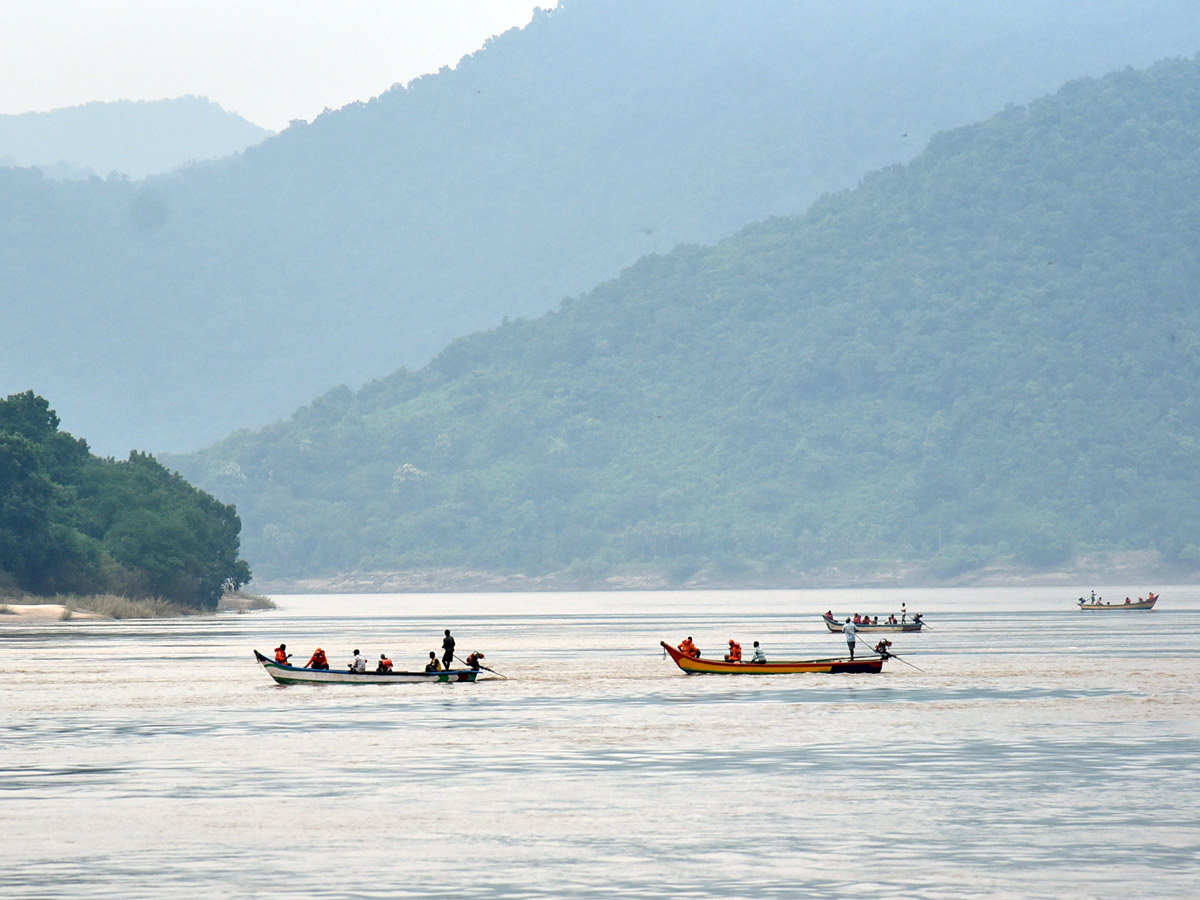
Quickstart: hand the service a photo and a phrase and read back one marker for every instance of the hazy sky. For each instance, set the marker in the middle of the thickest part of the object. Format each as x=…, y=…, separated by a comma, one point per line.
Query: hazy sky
x=268, y=60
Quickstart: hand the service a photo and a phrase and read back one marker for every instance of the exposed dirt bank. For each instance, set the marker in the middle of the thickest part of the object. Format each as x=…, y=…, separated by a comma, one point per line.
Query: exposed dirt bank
x=1145, y=567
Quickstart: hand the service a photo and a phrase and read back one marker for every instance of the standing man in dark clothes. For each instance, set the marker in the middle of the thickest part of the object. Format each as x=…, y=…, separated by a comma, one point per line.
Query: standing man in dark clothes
x=447, y=650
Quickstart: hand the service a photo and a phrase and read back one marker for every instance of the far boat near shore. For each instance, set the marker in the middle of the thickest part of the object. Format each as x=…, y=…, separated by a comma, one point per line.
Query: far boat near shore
x=1098, y=603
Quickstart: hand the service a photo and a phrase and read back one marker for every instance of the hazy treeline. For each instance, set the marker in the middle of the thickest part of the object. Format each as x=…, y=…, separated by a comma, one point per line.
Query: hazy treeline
x=228, y=294
x=73, y=523
x=988, y=354
x=123, y=138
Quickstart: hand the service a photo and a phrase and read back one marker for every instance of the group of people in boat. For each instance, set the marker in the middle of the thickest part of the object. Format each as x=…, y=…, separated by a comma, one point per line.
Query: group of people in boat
x=1099, y=601
x=874, y=620
x=319, y=660
x=689, y=648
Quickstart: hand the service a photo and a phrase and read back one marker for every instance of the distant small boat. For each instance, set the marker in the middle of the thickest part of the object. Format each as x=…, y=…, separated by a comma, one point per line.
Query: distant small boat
x=700, y=666
x=300, y=675
x=915, y=625
x=1132, y=604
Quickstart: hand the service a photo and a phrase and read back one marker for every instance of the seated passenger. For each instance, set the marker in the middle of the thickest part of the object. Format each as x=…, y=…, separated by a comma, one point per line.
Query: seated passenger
x=759, y=656
x=359, y=663
x=735, y=652
x=687, y=648
x=385, y=664
x=434, y=664
x=281, y=655
x=317, y=660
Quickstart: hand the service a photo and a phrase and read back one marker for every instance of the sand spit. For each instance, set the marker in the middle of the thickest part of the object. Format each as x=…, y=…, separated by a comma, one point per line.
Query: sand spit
x=43, y=612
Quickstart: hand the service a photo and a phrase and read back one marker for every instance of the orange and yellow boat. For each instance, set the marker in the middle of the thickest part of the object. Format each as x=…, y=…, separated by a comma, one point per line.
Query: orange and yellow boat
x=699, y=666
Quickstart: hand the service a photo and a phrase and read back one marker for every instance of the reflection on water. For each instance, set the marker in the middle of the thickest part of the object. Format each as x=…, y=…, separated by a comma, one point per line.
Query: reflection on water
x=1042, y=752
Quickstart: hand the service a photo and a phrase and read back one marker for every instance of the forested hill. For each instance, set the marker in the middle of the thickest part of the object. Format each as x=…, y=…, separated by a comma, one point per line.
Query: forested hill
x=73, y=523
x=162, y=315
x=990, y=354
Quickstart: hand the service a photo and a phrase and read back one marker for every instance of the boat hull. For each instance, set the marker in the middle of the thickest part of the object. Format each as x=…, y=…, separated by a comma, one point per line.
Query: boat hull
x=701, y=666
x=300, y=675
x=1112, y=607
x=836, y=626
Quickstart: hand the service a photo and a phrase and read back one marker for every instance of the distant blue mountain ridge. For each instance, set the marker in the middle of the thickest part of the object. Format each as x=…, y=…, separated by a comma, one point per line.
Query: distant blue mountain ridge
x=130, y=138
x=166, y=313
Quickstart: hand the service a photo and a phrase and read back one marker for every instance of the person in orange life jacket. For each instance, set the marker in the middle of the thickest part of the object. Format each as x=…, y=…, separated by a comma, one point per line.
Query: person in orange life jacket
x=317, y=660
x=735, y=652
x=687, y=648
x=385, y=664
x=434, y=664
x=473, y=660
x=281, y=655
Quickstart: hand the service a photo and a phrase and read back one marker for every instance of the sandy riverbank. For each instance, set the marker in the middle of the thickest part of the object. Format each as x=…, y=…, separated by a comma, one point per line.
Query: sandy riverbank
x=1081, y=573
x=42, y=612
x=110, y=607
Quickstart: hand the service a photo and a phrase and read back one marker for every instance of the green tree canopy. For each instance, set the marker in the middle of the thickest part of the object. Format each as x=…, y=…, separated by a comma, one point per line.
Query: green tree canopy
x=72, y=522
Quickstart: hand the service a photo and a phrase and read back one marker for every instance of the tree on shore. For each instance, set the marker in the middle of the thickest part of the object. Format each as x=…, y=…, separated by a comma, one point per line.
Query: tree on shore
x=71, y=522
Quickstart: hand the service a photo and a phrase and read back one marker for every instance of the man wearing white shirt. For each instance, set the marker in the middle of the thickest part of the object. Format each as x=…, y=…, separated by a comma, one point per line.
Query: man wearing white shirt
x=851, y=633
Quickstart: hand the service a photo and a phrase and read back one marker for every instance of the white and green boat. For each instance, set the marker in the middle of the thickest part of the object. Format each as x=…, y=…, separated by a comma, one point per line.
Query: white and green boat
x=300, y=675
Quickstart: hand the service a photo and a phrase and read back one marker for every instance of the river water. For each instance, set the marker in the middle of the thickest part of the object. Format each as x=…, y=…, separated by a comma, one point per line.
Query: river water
x=1041, y=752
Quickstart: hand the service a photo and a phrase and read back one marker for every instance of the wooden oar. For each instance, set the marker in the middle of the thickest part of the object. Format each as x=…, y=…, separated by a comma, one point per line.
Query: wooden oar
x=481, y=665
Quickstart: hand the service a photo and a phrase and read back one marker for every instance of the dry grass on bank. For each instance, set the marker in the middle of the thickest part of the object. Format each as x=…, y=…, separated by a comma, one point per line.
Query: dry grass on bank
x=66, y=607
x=114, y=606
x=241, y=602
